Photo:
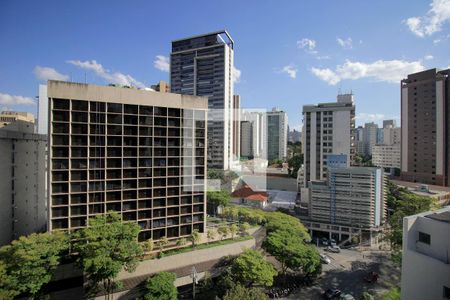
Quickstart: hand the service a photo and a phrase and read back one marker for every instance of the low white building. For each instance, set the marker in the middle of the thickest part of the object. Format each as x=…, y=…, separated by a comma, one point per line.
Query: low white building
x=386, y=156
x=426, y=256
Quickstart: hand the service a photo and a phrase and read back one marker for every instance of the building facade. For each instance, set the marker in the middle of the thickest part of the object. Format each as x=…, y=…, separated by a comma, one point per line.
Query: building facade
x=140, y=153
x=386, y=156
x=22, y=188
x=236, y=127
x=328, y=128
x=202, y=66
x=259, y=132
x=161, y=86
x=277, y=134
x=425, y=256
x=370, y=137
x=8, y=117
x=247, y=139
x=352, y=196
x=425, y=127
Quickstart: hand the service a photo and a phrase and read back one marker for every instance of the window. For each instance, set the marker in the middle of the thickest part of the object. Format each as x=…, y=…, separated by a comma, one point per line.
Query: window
x=424, y=238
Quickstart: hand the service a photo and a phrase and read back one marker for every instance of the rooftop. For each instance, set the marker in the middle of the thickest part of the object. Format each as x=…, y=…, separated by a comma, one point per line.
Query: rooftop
x=440, y=216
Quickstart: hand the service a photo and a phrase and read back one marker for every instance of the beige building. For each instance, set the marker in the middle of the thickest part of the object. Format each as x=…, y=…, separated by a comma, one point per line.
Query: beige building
x=425, y=257
x=137, y=152
x=22, y=188
x=386, y=156
x=162, y=87
x=7, y=117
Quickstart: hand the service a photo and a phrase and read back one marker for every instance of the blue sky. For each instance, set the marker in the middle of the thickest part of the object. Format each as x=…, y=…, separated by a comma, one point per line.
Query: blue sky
x=289, y=53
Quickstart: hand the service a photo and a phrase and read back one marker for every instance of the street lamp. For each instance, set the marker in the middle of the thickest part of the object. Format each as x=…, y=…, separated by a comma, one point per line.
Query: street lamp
x=194, y=277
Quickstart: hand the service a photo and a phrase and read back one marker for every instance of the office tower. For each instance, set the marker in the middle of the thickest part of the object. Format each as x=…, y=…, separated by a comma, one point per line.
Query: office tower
x=161, y=86
x=425, y=127
x=236, y=127
x=136, y=152
x=380, y=136
x=389, y=123
x=202, y=66
x=351, y=196
x=259, y=132
x=391, y=135
x=22, y=187
x=425, y=256
x=369, y=137
x=277, y=134
x=328, y=128
x=359, y=142
x=8, y=117
x=386, y=156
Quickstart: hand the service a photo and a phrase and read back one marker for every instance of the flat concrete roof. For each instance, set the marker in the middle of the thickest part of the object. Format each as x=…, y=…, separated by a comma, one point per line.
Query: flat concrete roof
x=91, y=92
x=441, y=216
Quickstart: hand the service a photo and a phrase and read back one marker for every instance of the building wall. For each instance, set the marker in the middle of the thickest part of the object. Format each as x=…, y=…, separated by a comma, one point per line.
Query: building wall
x=432, y=260
x=386, y=156
x=246, y=139
x=277, y=134
x=425, y=127
x=136, y=152
x=22, y=166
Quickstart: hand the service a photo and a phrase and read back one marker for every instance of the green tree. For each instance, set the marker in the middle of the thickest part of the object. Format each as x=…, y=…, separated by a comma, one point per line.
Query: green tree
x=295, y=162
x=161, y=287
x=392, y=294
x=194, y=237
x=231, y=213
x=238, y=292
x=148, y=245
x=107, y=246
x=210, y=235
x=281, y=221
x=218, y=198
x=222, y=231
x=244, y=227
x=162, y=243
x=291, y=252
x=233, y=229
x=27, y=263
x=250, y=268
x=366, y=296
x=181, y=242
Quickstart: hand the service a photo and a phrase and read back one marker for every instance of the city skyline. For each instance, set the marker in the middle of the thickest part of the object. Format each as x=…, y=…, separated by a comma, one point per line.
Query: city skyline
x=311, y=64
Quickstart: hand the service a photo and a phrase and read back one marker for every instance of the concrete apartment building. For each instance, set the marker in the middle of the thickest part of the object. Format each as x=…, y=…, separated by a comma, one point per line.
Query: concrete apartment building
x=137, y=152
x=328, y=128
x=202, y=65
x=247, y=139
x=370, y=138
x=386, y=156
x=425, y=126
x=294, y=136
x=351, y=201
x=236, y=127
x=161, y=86
x=277, y=134
x=8, y=117
x=425, y=257
x=22, y=188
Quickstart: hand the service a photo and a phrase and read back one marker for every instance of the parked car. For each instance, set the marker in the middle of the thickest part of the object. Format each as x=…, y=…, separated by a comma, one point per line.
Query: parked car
x=372, y=277
x=332, y=242
x=332, y=293
x=325, y=259
x=324, y=241
x=347, y=297
x=334, y=249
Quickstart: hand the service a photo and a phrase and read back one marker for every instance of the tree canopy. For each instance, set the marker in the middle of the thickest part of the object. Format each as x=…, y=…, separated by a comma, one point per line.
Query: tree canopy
x=250, y=267
x=161, y=287
x=106, y=247
x=218, y=198
x=238, y=292
x=26, y=264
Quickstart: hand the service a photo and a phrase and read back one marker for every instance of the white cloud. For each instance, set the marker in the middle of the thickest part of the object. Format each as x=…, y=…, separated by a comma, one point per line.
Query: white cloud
x=46, y=73
x=382, y=70
x=100, y=71
x=308, y=45
x=162, y=63
x=370, y=117
x=6, y=99
x=346, y=44
x=290, y=70
x=432, y=22
x=428, y=57
x=236, y=75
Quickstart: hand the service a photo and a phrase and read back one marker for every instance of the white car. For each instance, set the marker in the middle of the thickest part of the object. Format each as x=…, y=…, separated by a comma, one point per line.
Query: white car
x=325, y=259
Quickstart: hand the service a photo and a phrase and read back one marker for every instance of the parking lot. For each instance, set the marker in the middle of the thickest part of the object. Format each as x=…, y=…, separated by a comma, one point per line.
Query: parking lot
x=347, y=270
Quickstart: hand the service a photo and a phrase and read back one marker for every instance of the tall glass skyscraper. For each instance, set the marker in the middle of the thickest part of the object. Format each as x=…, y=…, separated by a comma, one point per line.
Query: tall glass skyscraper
x=202, y=66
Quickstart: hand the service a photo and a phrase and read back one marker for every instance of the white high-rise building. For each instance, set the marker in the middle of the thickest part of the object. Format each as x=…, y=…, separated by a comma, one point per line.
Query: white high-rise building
x=328, y=128
x=246, y=139
x=259, y=132
x=203, y=65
